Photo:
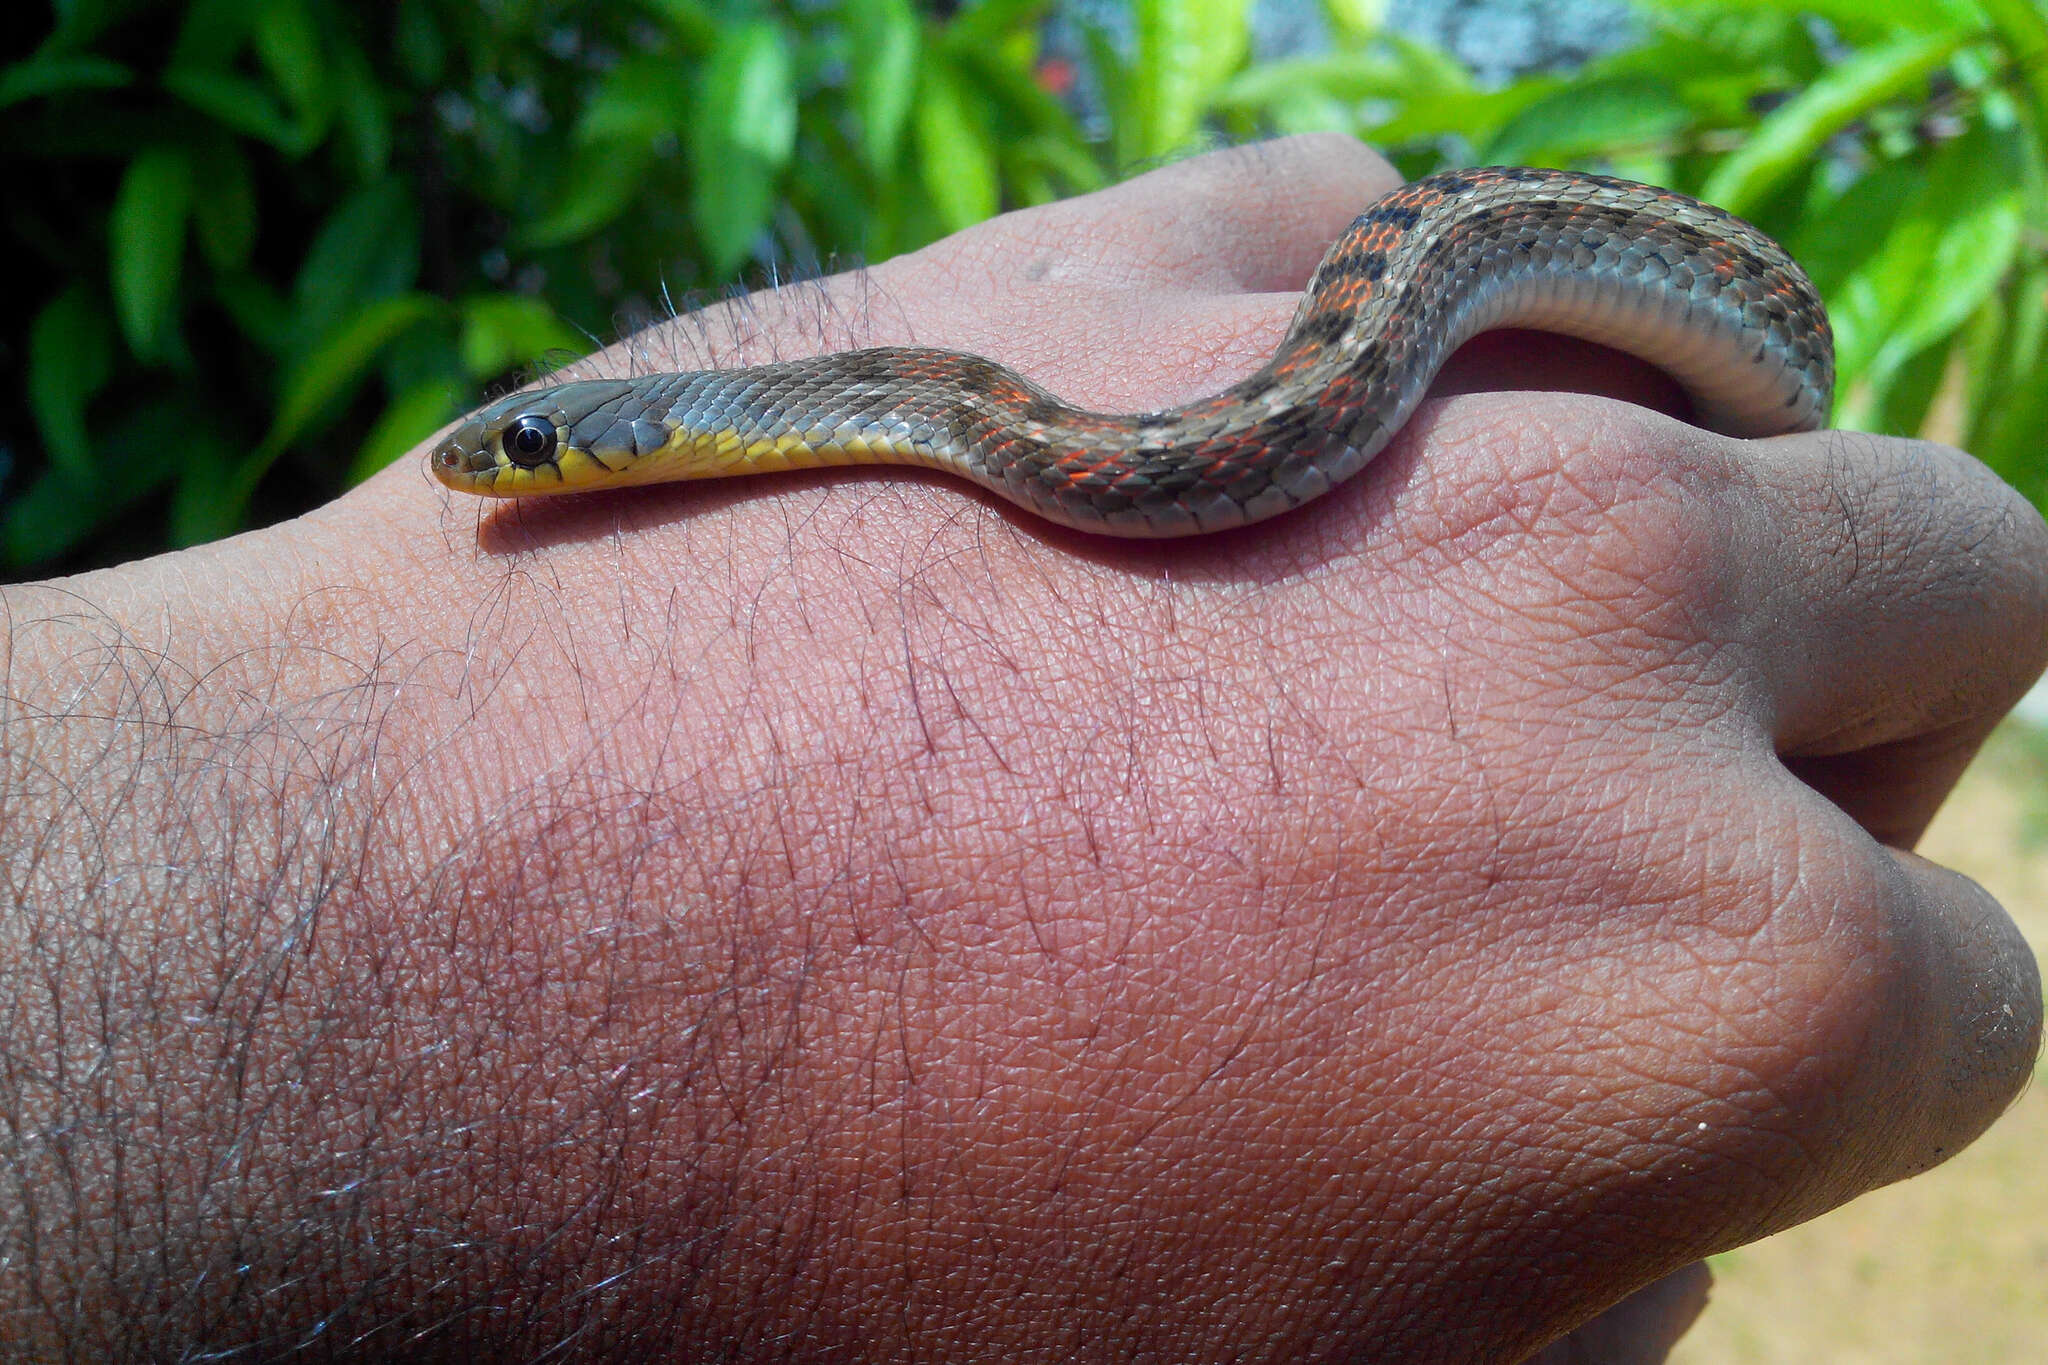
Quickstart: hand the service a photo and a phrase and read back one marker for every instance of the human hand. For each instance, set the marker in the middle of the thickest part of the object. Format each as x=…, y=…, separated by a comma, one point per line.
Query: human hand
x=839, y=915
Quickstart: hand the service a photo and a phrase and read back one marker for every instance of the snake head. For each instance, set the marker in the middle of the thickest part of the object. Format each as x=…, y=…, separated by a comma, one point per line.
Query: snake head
x=506, y=448
x=524, y=443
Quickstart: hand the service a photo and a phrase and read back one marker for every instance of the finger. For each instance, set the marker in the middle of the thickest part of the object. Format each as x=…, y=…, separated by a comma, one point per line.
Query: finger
x=1641, y=1329
x=1893, y=790
x=1963, y=1026
x=1881, y=601
x=1894, y=595
x=1900, y=1015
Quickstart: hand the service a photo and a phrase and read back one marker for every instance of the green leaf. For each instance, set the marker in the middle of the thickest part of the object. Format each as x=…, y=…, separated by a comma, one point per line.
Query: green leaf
x=213, y=34
x=2012, y=405
x=208, y=503
x=288, y=44
x=984, y=25
x=1358, y=18
x=416, y=37
x=1064, y=159
x=2010, y=442
x=48, y=75
x=2022, y=27
x=1787, y=140
x=225, y=215
x=688, y=20
x=1834, y=241
x=1429, y=96
x=1976, y=244
x=1010, y=97
x=1858, y=17
x=742, y=141
x=643, y=97
x=1398, y=91
x=1186, y=49
x=242, y=105
x=360, y=102
x=70, y=358
x=839, y=199
x=956, y=152
x=1113, y=79
x=146, y=243
x=2027, y=339
x=501, y=331
x=1617, y=115
x=79, y=22
x=53, y=514
x=730, y=211
x=1909, y=393
x=1339, y=75
x=335, y=366
x=751, y=93
x=1286, y=112
x=257, y=308
x=1963, y=229
x=1470, y=114
x=884, y=37
x=59, y=510
x=425, y=352
x=368, y=249
x=413, y=416
x=1985, y=352
x=602, y=179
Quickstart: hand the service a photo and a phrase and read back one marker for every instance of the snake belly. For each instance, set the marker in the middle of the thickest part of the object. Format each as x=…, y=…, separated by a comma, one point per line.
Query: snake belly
x=1687, y=287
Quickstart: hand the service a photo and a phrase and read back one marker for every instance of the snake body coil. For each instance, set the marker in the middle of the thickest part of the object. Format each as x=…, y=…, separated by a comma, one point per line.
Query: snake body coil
x=1689, y=288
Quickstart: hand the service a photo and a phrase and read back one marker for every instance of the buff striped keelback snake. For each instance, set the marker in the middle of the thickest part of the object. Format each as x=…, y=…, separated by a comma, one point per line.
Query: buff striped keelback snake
x=1689, y=288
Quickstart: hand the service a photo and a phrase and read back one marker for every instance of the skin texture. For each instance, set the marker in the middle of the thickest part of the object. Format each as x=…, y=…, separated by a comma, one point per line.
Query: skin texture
x=839, y=917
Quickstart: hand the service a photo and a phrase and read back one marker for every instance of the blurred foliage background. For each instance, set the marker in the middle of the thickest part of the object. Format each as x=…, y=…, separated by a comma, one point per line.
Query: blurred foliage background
x=260, y=248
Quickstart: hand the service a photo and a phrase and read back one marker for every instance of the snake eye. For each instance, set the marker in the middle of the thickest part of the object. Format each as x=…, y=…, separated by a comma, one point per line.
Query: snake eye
x=530, y=442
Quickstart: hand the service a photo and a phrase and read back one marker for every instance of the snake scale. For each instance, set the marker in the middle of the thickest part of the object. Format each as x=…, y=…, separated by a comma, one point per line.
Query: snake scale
x=1694, y=290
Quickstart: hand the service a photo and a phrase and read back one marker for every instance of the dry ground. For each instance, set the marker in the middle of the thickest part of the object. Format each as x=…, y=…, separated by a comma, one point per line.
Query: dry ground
x=1951, y=1268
